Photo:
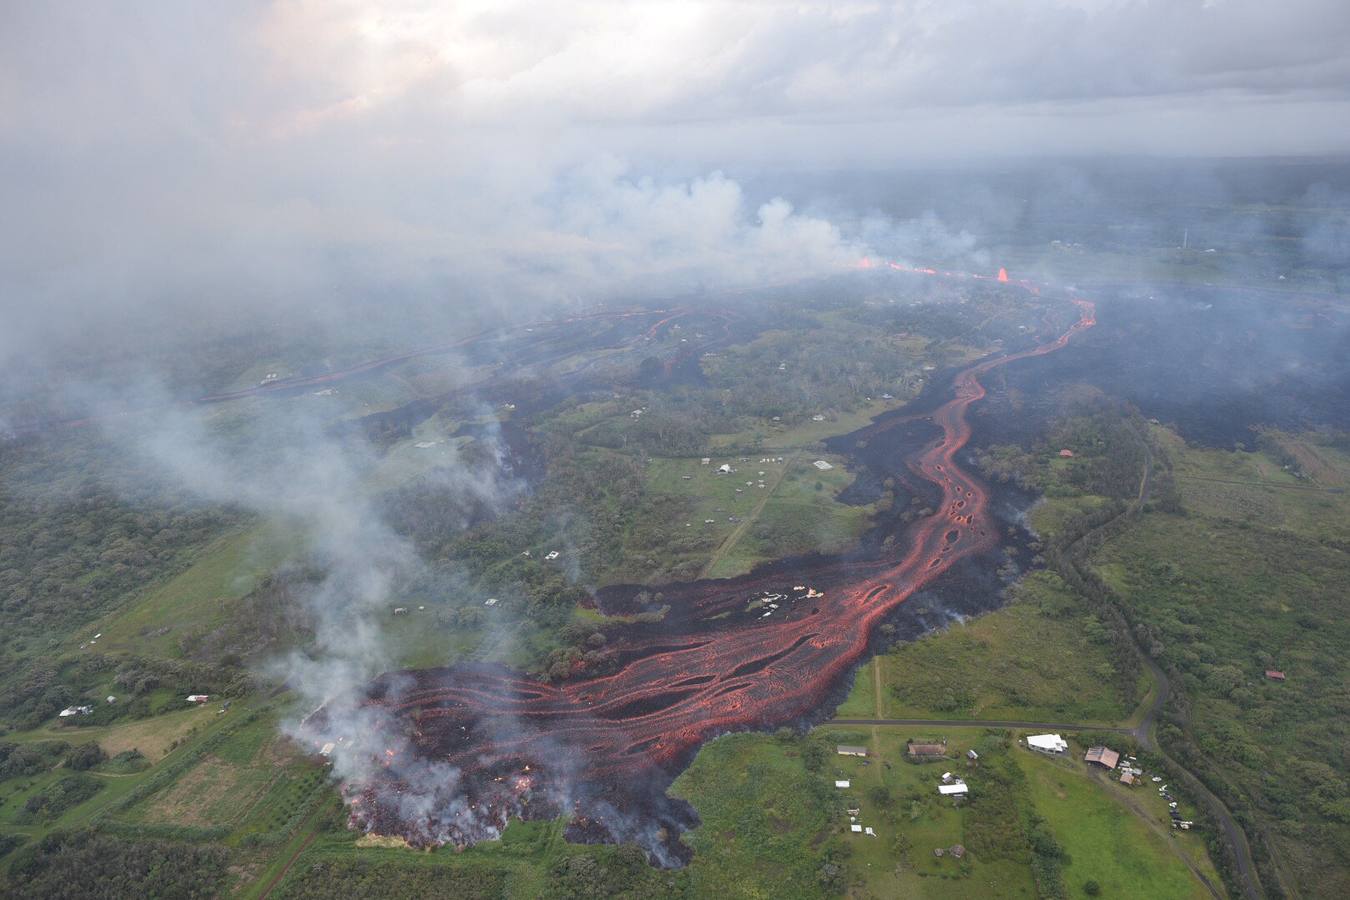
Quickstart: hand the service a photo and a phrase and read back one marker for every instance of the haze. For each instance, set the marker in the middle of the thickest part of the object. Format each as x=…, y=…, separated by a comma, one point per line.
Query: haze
x=218, y=161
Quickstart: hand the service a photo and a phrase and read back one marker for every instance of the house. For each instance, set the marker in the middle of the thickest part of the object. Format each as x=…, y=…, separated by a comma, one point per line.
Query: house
x=972, y=755
x=1066, y=453
x=856, y=829
x=705, y=461
x=198, y=698
x=724, y=469
x=400, y=610
x=1102, y=756
x=491, y=601
x=841, y=783
x=851, y=750
x=957, y=851
x=921, y=750
x=327, y=749
x=1047, y=743
x=948, y=790
x=75, y=711
x=1274, y=674
x=817, y=418
x=111, y=699
x=822, y=465
x=551, y=555
x=1127, y=778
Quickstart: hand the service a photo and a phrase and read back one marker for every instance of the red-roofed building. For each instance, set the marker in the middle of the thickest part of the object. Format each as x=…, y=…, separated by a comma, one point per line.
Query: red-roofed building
x=1066, y=453
x=1274, y=674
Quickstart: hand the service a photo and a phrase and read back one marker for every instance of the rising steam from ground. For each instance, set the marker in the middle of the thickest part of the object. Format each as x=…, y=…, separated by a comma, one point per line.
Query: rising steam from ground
x=289, y=469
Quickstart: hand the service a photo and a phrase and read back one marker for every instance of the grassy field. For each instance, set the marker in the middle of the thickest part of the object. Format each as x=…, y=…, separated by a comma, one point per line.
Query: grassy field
x=1128, y=854
x=765, y=819
x=196, y=600
x=1033, y=659
x=1255, y=489
x=915, y=820
x=192, y=728
x=794, y=511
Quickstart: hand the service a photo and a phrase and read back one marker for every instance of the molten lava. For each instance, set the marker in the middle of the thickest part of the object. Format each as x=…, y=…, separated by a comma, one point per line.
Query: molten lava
x=749, y=653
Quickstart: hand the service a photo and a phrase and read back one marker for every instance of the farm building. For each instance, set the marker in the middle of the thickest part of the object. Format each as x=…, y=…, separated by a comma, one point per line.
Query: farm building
x=957, y=789
x=1102, y=756
x=1127, y=778
x=851, y=750
x=921, y=750
x=1047, y=743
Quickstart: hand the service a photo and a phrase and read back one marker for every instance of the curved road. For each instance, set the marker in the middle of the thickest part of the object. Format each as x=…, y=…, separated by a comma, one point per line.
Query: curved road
x=1145, y=732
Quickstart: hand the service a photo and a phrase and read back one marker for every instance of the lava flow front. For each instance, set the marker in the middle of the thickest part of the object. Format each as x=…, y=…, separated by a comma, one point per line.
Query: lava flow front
x=484, y=743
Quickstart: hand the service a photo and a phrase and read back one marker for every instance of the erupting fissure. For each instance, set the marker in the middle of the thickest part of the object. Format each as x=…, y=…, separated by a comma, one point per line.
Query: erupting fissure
x=602, y=750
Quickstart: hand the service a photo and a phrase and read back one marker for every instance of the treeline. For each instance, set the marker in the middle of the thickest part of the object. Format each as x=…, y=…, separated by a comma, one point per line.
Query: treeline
x=49, y=803
x=34, y=693
x=336, y=879
x=70, y=545
x=29, y=759
x=85, y=865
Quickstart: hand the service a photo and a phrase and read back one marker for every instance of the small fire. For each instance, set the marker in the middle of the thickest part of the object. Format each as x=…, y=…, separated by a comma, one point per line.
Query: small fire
x=1003, y=275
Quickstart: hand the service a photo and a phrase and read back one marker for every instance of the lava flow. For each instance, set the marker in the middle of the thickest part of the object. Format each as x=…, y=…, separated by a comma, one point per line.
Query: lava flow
x=484, y=743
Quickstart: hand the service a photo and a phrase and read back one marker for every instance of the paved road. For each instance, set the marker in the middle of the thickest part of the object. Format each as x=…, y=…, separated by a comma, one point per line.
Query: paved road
x=986, y=723
x=1236, y=838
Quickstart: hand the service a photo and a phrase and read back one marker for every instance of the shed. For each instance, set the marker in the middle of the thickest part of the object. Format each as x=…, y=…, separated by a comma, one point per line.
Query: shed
x=822, y=465
x=1066, y=453
x=843, y=783
x=1127, y=778
x=1274, y=674
x=856, y=829
x=198, y=698
x=724, y=469
x=953, y=789
x=851, y=750
x=1102, y=756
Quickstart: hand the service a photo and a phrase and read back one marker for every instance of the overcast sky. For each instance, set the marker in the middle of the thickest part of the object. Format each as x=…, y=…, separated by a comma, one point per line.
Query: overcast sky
x=195, y=152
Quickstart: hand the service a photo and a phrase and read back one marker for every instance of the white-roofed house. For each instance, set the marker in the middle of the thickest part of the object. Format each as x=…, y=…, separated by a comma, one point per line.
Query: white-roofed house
x=1047, y=743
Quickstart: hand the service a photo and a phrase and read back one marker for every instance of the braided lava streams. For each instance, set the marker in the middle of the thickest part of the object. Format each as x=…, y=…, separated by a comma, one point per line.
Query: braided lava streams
x=480, y=744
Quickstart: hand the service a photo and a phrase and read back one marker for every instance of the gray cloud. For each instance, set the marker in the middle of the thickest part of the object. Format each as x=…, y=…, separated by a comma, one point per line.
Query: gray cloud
x=233, y=160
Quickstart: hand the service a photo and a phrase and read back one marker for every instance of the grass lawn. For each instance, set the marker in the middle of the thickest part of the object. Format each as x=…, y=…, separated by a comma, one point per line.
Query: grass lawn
x=899, y=860
x=1129, y=855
